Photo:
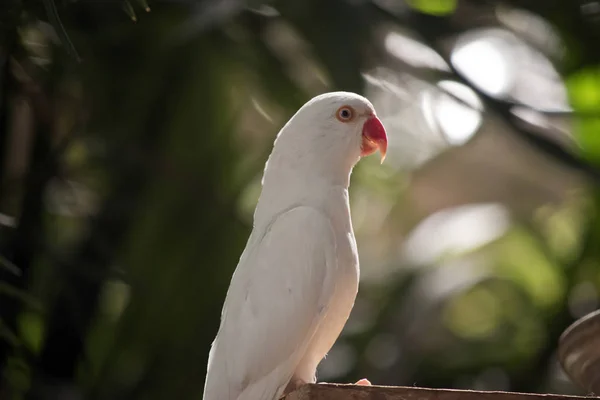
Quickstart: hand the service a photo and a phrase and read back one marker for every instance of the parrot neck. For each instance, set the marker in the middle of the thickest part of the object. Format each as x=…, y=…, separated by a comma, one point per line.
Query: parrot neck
x=308, y=166
x=300, y=160
x=306, y=172
x=285, y=188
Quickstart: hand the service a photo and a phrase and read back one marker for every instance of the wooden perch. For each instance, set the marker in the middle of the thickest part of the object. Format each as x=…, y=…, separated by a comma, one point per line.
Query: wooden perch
x=354, y=392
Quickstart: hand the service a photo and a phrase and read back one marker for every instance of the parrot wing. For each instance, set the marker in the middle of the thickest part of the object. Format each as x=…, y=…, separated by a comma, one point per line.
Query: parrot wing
x=278, y=296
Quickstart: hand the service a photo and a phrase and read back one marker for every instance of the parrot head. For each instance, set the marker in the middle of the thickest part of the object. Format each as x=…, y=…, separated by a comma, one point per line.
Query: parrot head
x=328, y=135
x=358, y=115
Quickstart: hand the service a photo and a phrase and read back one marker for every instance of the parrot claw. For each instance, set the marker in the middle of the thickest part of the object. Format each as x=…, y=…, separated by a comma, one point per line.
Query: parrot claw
x=362, y=382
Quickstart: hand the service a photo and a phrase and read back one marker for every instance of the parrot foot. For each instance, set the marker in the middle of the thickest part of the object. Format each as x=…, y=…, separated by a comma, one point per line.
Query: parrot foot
x=296, y=383
x=362, y=382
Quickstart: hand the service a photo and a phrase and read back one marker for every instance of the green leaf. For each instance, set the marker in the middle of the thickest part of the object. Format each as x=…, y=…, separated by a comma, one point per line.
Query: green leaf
x=433, y=7
x=31, y=327
x=584, y=94
x=584, y=90
x=588, y=135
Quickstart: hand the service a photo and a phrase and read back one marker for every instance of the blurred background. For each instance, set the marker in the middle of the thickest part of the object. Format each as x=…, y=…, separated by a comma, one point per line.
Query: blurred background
x=132, y=140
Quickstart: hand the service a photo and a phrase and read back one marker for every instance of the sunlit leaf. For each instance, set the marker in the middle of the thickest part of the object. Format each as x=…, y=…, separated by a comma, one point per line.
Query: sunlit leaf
x=584, y=95
x=521, y=260
x=434, y=7
x=562, y=226
x=584, y=90
x=475, y=314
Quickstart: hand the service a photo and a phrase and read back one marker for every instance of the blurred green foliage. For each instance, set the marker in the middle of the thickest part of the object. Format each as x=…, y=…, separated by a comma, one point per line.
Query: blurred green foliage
x=434, y=7
x=132, y=140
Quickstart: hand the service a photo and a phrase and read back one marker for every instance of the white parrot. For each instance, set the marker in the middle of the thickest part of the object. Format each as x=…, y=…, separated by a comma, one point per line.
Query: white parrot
x=297, y=279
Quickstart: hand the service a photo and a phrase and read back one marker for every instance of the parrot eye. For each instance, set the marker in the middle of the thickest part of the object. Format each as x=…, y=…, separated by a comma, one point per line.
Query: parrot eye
x=345, y=114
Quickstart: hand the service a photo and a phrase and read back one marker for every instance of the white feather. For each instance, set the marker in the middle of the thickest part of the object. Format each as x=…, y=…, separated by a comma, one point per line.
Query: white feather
x=277, y=297
x=297, y=278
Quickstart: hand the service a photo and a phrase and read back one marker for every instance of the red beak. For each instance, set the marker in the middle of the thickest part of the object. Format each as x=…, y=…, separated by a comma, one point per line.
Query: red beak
x=374, y=137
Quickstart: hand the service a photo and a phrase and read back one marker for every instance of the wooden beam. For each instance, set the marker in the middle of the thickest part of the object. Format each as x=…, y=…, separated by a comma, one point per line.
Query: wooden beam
x=329, y=391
